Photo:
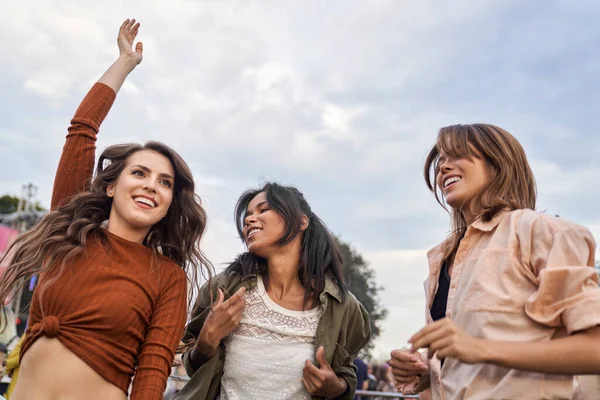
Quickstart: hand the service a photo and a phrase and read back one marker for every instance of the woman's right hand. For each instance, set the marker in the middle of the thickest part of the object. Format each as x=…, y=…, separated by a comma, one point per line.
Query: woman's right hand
x=407, y=368
x=127, y=33
x=223, y=318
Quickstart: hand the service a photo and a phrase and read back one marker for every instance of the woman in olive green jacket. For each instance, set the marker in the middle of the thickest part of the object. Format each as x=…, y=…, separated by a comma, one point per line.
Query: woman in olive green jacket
x=280, y=321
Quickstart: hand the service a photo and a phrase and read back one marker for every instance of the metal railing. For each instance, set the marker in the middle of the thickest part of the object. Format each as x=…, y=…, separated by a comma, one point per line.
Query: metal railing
x=364, y=394
x=180, y=378
x=367, y=394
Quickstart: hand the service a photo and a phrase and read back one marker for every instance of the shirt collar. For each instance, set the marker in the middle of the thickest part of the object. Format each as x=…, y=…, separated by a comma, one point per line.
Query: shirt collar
x=488, y=226
x=479, y=225
x=331, y=288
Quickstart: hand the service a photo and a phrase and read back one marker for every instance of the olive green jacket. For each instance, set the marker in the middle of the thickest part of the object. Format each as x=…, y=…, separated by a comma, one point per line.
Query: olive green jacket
x=343, y=330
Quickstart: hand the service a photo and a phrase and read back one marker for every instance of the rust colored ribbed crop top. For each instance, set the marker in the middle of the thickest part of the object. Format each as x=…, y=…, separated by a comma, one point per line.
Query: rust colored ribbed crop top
x=113, y=306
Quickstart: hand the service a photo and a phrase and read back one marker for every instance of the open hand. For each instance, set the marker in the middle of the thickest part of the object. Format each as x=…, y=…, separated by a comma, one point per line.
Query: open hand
x=127, y=33
x=322, y=381
x=445, y=339
x=223, y=318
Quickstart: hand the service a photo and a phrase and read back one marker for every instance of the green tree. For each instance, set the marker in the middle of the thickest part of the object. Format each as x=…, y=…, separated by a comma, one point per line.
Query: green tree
x=360, y=278
x=9, y=204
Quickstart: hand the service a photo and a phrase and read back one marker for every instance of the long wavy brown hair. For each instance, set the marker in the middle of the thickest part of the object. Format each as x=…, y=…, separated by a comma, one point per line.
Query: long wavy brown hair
x=511, y=182
x=62, y=234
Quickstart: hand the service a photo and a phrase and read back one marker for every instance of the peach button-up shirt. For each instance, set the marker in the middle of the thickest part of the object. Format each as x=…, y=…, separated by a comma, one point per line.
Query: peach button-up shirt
x=523, y=276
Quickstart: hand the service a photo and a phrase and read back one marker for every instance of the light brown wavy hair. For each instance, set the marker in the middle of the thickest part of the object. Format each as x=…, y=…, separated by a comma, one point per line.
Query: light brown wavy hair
x=63, y=233
x=511, y=182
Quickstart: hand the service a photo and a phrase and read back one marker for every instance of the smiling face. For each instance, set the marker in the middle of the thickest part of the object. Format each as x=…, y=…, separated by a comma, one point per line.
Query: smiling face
x=142, y=195
x=263, y=227
x=461, y=180
x=489, y=171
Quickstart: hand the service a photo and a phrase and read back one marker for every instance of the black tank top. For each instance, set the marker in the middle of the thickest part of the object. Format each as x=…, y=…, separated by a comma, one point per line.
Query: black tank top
x=438, y=308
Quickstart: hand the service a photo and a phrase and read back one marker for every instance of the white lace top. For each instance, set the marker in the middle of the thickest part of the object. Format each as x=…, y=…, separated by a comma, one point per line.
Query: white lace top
x=265, y=355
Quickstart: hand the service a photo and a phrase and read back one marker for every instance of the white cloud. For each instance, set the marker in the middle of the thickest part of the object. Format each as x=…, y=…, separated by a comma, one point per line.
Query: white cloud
x=403, y=272
x=130, y=88
x=343, y=100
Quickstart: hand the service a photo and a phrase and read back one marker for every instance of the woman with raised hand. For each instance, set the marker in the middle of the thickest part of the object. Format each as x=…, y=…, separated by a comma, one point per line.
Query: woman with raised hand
x=279, y=323
x=112, y=296
x=512, y=296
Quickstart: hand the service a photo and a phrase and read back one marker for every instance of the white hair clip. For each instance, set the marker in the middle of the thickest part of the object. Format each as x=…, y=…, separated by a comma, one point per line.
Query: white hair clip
x=105, y=163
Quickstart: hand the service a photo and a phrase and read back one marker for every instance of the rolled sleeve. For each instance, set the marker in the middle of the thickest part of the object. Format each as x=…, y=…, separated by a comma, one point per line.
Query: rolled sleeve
x=568, y=291
x=190, y=368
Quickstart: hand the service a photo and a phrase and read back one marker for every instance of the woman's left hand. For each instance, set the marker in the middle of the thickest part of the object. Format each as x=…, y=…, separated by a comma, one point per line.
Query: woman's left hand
x=445, y=339
x=323, y=381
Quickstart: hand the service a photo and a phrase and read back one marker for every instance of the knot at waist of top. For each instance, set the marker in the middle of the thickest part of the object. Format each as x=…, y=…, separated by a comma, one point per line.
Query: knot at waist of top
x=49, y=326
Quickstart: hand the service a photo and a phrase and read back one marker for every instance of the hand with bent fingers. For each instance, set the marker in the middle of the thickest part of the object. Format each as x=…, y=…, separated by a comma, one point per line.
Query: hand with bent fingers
x=223, y=318
x=127, y=33
x=322, y=381
x=444, y=339
x=407, y=368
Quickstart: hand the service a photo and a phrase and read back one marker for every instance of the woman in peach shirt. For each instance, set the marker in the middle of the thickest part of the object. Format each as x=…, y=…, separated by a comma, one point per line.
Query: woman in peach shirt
x=513, y=305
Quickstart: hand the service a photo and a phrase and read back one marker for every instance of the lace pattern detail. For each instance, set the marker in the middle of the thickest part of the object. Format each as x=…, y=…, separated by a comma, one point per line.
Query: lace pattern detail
x=265, y=355
x=263, y=318
x=257, y=369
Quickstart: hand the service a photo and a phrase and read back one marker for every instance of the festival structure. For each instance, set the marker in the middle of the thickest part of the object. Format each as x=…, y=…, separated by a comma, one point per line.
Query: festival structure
x=11, y=226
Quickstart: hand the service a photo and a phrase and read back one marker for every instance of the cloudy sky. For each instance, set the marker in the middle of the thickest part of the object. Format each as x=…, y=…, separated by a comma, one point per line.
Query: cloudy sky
x=340, y=98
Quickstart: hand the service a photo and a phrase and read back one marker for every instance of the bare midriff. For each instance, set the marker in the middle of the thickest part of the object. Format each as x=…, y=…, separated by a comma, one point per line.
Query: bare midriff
x=50, y=371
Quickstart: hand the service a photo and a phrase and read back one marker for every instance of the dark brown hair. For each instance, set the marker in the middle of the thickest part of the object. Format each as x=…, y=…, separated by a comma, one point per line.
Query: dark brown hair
x=62, y=234
x=320, y=254
x=511, y=182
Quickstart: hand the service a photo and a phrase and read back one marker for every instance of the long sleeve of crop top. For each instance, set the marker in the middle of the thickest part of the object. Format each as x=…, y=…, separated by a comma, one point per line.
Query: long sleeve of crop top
x=76, y=165
x=164, y=334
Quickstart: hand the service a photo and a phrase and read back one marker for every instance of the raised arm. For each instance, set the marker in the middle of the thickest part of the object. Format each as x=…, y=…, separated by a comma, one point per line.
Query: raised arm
x=76, y=165
x=128, y=59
